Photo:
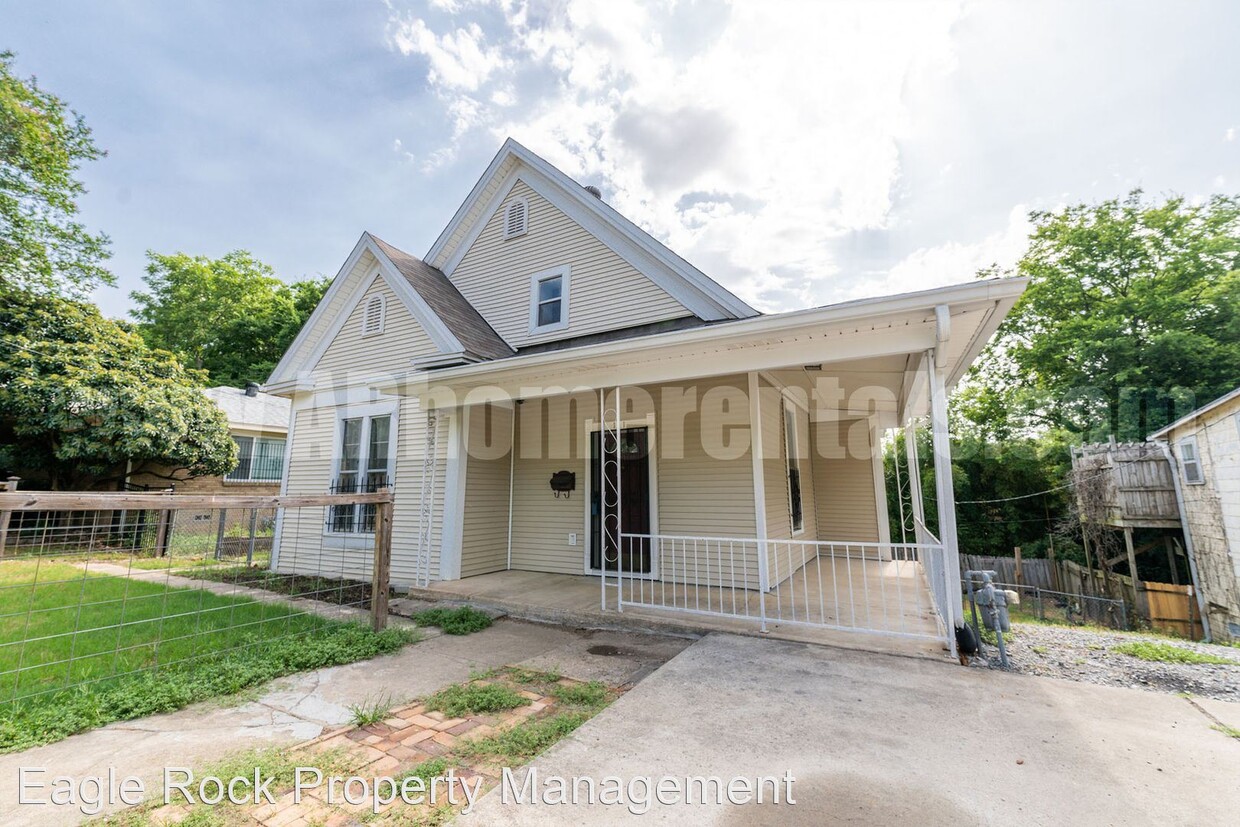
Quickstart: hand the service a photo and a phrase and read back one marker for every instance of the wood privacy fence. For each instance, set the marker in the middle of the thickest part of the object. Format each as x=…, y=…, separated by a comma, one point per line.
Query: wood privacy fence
x=1166, y=607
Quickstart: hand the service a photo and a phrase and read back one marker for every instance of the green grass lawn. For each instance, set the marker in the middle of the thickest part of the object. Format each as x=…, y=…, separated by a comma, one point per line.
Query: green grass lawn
x=87, y=645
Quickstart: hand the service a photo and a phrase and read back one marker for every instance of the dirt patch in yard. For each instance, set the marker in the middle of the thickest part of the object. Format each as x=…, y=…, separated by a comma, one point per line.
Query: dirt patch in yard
x=1107, y=658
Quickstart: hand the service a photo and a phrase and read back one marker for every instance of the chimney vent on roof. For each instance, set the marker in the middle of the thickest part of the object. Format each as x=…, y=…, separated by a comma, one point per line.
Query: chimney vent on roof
x=251, y=389
x=595, y=191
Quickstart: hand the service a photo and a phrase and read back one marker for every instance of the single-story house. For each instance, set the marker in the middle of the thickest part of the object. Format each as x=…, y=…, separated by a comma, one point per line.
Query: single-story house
x=1205, y=451
x=556, y=397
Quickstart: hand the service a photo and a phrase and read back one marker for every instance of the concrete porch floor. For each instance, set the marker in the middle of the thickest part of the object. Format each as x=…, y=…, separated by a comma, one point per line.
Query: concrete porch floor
x=574, y=600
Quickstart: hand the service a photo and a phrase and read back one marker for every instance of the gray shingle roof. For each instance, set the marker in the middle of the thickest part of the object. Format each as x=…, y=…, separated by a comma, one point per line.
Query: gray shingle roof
x=261, y=412
x=465, y=322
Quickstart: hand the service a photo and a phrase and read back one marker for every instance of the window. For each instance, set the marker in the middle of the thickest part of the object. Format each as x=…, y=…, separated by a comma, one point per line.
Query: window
x=363, y=465
x=259, y=459
x=792, y=450
x=372, y=316
x=516, y=219
x=1190, y=461
x=549, y=300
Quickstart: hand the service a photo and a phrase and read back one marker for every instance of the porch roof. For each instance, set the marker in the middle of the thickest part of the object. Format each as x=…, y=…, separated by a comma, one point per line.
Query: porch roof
x=956, y=321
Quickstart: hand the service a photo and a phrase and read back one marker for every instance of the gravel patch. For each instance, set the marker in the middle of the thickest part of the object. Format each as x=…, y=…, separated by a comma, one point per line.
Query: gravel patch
x=1086, y=655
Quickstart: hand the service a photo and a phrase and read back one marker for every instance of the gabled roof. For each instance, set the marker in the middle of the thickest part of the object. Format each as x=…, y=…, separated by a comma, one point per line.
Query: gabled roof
x=474, y=333
x=703, y=296
x=1184, y=420
x=453, y=325
x=261, y=412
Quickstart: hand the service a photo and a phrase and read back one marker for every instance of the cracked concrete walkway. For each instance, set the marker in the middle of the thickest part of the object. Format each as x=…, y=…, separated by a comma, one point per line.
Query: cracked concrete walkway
x=300, y=707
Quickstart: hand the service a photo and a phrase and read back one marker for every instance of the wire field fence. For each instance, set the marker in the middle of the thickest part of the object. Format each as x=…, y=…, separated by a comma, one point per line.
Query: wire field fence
x=1048, y=606
x=97, y=587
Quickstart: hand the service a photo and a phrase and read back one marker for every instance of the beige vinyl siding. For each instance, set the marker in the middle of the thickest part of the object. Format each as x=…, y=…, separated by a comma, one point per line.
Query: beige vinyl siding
x=785, y=559
x=697, y=494
x=605, y=291
x=462, y=229
x=843, y=471
x=484, y=534
x=402, y=341
x=306, y=547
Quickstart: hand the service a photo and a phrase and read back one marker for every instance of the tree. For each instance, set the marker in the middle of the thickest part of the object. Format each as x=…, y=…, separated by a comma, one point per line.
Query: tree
x=81, y=396
x=230, y=316
x=1131, y=318
x=43, y=143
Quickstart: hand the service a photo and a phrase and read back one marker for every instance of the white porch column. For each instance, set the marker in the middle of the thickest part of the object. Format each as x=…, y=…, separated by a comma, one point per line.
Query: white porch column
x=454, y=494
x=759, y=482
x=944, y=492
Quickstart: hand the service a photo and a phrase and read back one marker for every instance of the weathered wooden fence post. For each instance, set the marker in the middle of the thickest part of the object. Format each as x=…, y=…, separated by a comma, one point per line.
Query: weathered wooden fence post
x=219, y=534
x=5, y=516
x=381, y=574
x=164, y=531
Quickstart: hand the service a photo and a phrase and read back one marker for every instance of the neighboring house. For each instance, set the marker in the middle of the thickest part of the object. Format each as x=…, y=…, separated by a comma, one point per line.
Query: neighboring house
x=743, y=456
x=258, y=423
x=1205, y=445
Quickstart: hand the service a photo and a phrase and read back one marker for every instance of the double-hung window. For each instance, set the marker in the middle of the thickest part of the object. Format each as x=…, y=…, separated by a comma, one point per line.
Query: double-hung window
x=363, y=466
x=796, y=512
x=259, y=459
x=1190, y=461
x=549, y=300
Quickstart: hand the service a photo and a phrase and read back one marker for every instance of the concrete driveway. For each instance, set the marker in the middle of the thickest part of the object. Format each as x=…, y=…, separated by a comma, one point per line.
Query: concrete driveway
x=878, y=739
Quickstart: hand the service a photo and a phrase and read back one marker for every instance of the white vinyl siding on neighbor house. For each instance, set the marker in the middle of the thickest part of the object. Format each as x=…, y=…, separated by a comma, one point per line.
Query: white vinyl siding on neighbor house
x=484, y=535
x=844, y=497
x=606, y=292
x=366, y=356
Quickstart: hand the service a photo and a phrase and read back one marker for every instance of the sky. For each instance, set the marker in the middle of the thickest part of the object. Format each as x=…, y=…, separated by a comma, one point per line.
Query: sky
x=799, y=153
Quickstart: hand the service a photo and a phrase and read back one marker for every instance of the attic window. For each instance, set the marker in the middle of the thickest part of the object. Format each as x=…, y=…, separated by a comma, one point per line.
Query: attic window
x=372, y=316
x=516, y=218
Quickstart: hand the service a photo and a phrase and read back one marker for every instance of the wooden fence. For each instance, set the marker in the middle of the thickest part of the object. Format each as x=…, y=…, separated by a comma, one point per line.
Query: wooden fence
x=1166, y=607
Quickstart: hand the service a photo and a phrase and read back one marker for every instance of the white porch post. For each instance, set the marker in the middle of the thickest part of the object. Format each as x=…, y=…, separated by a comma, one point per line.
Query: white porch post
x=944, y=492
x=759, y=492
x=454, y=494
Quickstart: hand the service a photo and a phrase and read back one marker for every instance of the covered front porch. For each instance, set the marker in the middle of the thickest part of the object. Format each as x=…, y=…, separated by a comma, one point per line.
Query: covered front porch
x=576, y=600
x=637, y=477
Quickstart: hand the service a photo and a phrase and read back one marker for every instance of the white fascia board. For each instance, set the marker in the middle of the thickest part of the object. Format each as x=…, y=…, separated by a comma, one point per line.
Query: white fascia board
x=921, y=302
x=1192, y=415
x=283, y=370
x=438, y=332
x=436, y=250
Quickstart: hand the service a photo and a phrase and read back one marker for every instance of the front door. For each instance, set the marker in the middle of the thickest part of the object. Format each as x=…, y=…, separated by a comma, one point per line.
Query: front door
x=634, y=552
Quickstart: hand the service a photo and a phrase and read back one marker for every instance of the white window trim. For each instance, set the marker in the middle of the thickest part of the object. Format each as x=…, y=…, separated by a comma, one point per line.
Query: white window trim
x=525, y=224
x=792, y=450
x=251, y=480
x=365, y=413
x=1191, y=441
x=564, y=272
x=382, y=315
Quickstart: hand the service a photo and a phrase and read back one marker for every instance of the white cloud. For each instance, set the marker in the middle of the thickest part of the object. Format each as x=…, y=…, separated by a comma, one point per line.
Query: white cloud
x=791, y=122
x=953, y=262
x=1230, y=134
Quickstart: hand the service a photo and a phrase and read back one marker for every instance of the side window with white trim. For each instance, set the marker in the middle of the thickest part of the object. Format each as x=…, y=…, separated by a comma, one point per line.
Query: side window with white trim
x=516, y=218
x=363, y=466
x=1190, y=461
x=372, y=316
x=549, y=300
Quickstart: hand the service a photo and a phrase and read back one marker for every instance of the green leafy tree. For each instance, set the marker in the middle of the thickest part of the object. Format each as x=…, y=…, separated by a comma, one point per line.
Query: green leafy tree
x=81, y=396
x=43, y=143
x=1131, y=318
x=230, y=317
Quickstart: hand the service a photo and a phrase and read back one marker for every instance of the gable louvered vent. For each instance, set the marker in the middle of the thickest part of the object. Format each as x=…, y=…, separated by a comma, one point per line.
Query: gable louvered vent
x=516, y=218
x=372, y=316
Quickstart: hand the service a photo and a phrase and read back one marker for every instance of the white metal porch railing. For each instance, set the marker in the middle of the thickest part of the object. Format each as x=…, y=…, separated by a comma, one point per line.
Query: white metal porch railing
x=882, y=588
